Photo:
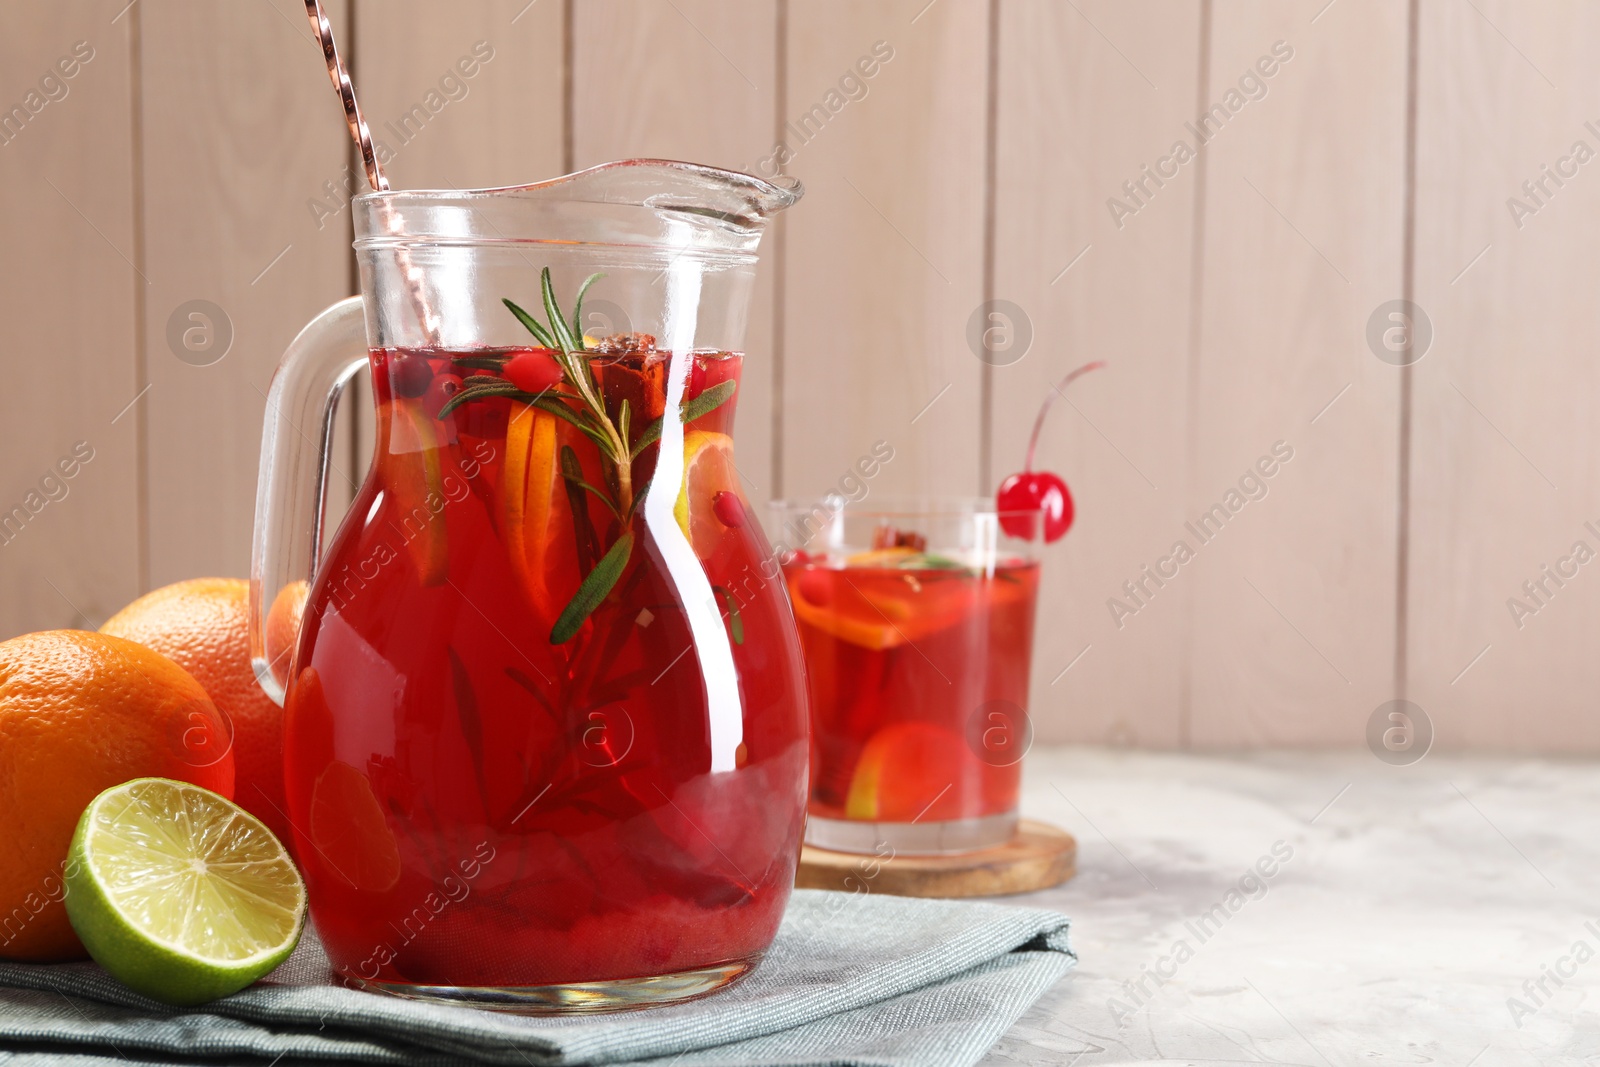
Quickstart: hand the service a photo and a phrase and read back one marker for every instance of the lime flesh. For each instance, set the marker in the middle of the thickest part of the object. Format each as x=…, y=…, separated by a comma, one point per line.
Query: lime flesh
x=181, y=894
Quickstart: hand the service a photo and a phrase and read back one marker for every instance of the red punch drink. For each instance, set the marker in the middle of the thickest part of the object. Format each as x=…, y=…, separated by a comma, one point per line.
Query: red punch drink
x=545, y=724
x=490, y=791
x=918, y=663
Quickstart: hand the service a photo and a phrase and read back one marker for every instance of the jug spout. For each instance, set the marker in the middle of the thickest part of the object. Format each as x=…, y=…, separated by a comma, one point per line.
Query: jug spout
x=642, y=203
x=666, y=236
x=738, y=200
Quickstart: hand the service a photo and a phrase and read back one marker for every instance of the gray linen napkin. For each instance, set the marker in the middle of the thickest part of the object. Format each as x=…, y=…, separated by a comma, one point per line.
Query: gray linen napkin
x=851, y=979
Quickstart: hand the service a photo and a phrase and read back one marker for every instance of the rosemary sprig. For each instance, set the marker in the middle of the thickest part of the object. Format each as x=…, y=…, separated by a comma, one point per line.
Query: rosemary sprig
x=593, y=590
x=576, y=399
x=566, y=342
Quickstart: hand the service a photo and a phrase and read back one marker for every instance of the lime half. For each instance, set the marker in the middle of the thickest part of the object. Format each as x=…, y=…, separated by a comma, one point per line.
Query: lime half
x=180, y=894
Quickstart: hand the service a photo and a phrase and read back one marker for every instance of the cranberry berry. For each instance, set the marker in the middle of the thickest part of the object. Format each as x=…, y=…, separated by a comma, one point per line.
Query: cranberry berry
x=533, y=371
x=409, y=375
x=728, y=508
x=440, y=390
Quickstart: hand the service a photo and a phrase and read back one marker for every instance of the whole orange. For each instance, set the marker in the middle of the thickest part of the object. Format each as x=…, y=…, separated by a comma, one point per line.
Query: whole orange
x=79, y=713
x=283, y=628
x=203, y=626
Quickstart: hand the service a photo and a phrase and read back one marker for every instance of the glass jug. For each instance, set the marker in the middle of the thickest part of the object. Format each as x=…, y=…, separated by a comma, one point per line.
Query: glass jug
x=545, y=717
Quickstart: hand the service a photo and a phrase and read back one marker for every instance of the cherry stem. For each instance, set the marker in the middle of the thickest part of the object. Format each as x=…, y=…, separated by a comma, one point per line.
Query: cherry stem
x=1055, y=391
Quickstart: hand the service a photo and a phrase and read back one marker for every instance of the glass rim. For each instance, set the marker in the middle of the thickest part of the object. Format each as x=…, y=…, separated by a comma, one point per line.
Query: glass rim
x=784, y=189
x=902, y=507
x=740, y=202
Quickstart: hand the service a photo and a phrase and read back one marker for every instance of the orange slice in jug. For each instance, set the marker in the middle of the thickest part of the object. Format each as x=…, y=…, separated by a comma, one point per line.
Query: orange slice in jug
x=537, y=517
x=350, y=831
x=707, y=470
x=414, y=470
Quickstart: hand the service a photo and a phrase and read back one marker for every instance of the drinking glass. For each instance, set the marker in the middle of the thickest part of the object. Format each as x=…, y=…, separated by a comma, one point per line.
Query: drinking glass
x=917, y=622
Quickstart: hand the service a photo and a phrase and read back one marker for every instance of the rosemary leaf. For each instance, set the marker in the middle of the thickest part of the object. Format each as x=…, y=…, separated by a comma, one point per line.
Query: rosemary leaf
x=477, y=392
x=470, y=721
x=577, y=309
x=572, y=471
x=558, y=325
x=639, y=495
x=735, y=623
x=584, y=537
x=709, y=401
x=560, y=410
x=595, y=588
x=532, y=324
x=531, y=686
x=481, y=386
x=484, y=362
x=931, y=561
x=601, y=494
x=703, y=404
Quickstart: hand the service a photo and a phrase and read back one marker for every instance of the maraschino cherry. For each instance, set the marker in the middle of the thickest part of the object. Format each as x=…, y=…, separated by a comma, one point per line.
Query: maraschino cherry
x=1039, y=491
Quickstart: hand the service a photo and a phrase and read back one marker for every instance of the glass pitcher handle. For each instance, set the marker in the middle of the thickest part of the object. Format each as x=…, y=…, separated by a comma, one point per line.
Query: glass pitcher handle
x=291, y=486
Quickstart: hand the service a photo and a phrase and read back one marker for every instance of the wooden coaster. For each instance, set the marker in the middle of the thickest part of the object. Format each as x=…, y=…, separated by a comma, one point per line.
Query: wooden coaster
x=1038, y=857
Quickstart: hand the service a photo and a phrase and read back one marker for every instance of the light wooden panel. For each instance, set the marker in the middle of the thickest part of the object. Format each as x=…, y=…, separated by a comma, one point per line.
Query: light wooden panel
x=1121, y=442
x=241, y=129
x=693, y=80
x=68, y=292
x=884, y=257
x=1504, y=421
x=1293, y=611
x=502, y=125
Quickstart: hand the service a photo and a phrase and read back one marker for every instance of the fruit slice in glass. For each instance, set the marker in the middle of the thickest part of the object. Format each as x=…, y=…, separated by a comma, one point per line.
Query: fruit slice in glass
x=911, y=771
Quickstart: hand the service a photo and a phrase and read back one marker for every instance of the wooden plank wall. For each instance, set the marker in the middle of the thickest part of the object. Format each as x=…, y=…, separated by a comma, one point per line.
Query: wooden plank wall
x=72, y=296
x=701, y=81
x=1292, y=617
x=226, y=178
x=955, y=152
x=1505, y=480
x=1093, y=290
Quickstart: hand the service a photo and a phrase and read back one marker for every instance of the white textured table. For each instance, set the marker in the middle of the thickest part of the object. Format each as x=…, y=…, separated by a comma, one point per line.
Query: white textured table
x=1417, y=903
